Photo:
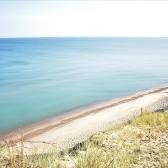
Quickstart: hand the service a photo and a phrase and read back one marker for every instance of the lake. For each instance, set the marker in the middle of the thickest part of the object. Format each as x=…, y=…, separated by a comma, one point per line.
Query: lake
x=44, y=77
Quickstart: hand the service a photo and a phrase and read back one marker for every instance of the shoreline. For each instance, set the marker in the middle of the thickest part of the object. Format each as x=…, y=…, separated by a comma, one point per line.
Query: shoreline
x=44, y=126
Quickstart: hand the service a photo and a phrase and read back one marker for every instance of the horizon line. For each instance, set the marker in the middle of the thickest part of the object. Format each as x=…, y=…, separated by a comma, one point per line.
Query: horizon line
x=83, y=37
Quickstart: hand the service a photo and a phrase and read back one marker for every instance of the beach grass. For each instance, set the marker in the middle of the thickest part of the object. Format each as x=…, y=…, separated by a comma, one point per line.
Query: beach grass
x=12, y=156
x=154, y=120
x=142, y=142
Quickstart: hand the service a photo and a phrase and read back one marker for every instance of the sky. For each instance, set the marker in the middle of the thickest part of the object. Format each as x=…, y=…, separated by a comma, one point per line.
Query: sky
x=83, y=18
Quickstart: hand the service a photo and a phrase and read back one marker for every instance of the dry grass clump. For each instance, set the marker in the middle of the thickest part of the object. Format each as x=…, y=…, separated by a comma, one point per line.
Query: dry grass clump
x=153, y=120
x=107, y=150
x=14, y=156
x=141, y=143
x=94, y=157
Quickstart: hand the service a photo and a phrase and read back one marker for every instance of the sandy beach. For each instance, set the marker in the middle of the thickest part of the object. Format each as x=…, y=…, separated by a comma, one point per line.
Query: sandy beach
x=74, y=127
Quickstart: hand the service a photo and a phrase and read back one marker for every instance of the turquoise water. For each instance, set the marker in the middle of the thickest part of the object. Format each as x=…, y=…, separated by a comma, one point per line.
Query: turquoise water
x=42, y=77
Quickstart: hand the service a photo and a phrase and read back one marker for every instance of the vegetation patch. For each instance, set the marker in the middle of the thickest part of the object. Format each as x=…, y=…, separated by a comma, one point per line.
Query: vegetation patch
x=141, y=143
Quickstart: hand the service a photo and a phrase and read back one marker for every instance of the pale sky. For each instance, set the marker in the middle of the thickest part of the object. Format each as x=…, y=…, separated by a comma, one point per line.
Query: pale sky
x=83, y=18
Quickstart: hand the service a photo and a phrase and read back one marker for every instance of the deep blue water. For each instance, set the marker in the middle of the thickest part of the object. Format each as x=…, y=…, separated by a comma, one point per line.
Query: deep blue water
x=41, y=77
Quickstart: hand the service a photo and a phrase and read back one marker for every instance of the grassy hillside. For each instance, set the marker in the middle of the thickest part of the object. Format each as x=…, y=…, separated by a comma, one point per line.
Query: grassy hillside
x=140, y=143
